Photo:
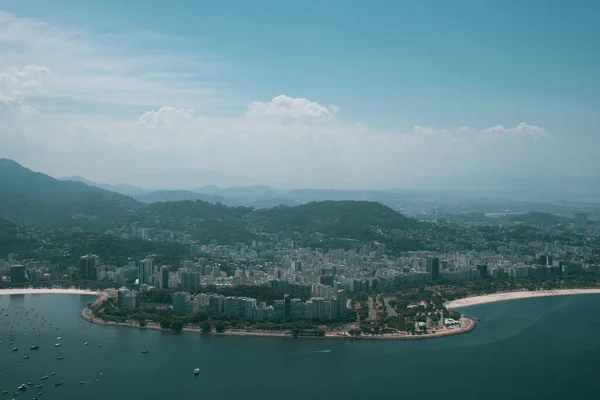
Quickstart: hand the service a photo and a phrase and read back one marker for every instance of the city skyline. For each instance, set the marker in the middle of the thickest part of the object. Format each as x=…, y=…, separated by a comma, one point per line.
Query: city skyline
x=352, y=96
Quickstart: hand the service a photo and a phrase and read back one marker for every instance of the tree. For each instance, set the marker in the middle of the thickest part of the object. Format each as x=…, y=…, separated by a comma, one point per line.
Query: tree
x=177, y=325
x=165, y=323
x=206, y=327
x=142, y=323
x=220, y=327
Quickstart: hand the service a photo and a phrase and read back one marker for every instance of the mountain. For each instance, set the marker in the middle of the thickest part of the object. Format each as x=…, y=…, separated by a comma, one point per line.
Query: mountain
x=260, y=196
x=127, y=190
x=341, y=219
x=179, y=195
x=188, y=180
x=34, y=198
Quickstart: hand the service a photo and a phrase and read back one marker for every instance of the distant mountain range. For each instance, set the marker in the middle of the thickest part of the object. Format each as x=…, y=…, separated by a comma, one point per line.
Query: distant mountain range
x=127, y=190
x=29, y=198
x=257, y=196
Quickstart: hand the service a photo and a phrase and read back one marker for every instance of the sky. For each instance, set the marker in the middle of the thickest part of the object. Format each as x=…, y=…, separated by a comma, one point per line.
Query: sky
x=328, y=94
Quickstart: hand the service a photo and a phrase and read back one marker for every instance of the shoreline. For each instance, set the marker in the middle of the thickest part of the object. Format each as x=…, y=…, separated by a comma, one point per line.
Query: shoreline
x=467, y=324
x=525, y=294
x=46, y=291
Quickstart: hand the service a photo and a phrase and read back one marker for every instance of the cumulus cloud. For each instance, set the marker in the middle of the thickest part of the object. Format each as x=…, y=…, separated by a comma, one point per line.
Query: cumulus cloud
x=295, y=108
x=13, y=84
x=522, y=129
x=166, y=117
x=288, y=140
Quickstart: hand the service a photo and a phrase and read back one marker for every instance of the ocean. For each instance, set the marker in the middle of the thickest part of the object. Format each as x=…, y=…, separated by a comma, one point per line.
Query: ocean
x=541, y=348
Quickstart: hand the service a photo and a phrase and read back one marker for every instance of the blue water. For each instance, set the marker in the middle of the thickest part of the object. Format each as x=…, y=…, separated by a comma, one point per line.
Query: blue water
x=542, y=348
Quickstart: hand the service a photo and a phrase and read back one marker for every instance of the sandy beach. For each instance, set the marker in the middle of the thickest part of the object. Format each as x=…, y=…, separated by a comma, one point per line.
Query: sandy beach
x=490, y=298
x=46, y=291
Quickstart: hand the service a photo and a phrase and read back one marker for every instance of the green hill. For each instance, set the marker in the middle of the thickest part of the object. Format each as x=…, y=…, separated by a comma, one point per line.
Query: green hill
x=362, y=220
x=34, y=198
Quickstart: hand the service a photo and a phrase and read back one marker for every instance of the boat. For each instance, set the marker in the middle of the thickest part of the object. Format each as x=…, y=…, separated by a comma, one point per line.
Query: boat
x=82, y=382
x=56, y=344
x=44, y=377
x=52, y=373
x=29, y=383
x=196, y=371
x=58, y=384
x=22, y=387
x=34, y=347
x=99, y=345
x=60, y=357
x=86, y=343
x=144, y=351
x=25, y=357
x=39, y=386
x=58, y=338
x=5, y=392
x=15, y=349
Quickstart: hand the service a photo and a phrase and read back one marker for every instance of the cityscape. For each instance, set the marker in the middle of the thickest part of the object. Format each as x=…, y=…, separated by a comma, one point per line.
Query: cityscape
x=323, y=278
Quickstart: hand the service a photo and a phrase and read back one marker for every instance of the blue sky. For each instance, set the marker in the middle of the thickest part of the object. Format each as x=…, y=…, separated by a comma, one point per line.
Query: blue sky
x=388, y=66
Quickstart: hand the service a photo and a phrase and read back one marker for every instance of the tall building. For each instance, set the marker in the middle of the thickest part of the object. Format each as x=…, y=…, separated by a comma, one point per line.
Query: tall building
x=126, y=299
x=145, y=270
x=215, y=304
x=182, y=302
x=433, y=266
x=164, y=277
x=483, y=270
x=17, y=274
x=87, y=267
x=343, y=299
x=287, y=310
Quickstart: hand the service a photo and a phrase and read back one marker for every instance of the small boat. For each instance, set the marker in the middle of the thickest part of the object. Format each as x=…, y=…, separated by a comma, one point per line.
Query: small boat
x=58, y=338
x=22, y=387
x=56, y=344
x=86, y=343
x=60, y=357
x=52, y=373
x=29, y=383
x=15, y=349
x=196, y=371
x=5, y=392
x=144, y=351
x=40, y=386
x=58, y=384
x=82, y=382
x=99, y=345
x=34, y=347
x=44, y=377
x=25, y=357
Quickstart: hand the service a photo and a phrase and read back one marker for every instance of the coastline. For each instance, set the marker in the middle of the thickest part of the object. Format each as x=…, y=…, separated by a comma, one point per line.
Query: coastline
x=46, y=291
x=466, y=324
x=495, y=297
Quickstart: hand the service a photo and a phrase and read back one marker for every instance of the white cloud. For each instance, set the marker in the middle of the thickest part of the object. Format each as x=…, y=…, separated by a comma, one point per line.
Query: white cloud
x=291, y=107
x=522, y=129
x=166, y=117
x=126, y=68
x=290, y=140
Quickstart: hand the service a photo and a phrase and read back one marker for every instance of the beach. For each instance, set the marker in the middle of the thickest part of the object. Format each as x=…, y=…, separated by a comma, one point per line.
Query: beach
x=490, y=298
x=46, y=291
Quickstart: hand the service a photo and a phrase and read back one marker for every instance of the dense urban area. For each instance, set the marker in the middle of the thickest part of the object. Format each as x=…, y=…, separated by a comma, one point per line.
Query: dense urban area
x=345, y=267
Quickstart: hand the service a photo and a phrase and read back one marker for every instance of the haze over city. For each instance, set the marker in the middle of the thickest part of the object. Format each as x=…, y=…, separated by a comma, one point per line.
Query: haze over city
x=377, y=95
